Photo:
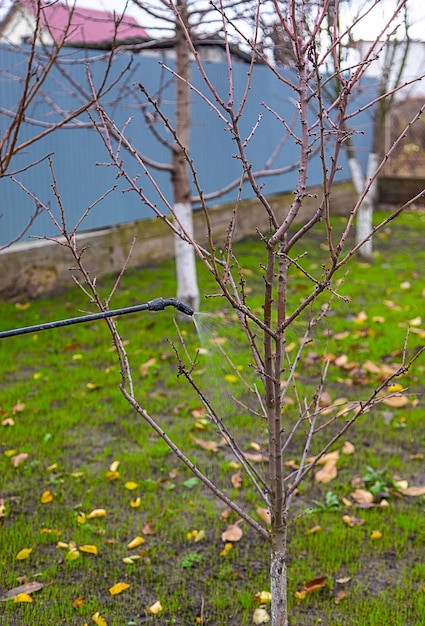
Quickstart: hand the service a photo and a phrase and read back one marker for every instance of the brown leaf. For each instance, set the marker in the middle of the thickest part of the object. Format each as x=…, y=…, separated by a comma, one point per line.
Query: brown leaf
x=233, y=532
x=144, y=369
x=212, y=446
x=348, y=448
x=396, y=402
x=351, y=521
x=237, y=479
x=361, y=496
x=18, y=459
x=327, y=473
x=27, y=588
x=340, y=595
x=147, y=528
x=413, y=491
x=256, y=457
x=310, y=587
x=264, y=514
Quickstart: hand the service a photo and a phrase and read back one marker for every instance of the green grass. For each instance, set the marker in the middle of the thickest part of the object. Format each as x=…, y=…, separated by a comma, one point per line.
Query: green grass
x=60, y=389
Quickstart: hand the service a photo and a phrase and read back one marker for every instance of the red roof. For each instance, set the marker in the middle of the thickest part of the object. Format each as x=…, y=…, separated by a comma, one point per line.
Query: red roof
x=87, y=26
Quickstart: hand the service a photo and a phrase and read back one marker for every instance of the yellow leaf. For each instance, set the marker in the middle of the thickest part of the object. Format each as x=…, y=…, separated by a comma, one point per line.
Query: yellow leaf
x=77, y=474
x=72, y=555
x=118, y=588
x=130, y=485
x=112, y=475
x=134, y=543
x=155, y=608
x=200, y=535
x=81, y=518
x=62, y=545
x=22, y=597
x=226, y=549
x=91, y=549
x=263, y=597
x=23, y=554
x=135, y=503
x=231, y=378
x=114, y=466
x=46, y=497
x=96, y=513
x=22, y=307
x=376, y=534
x=78, y=602
x=99, y=620
x=92, y=386
x=9, y=453
x=51, y=531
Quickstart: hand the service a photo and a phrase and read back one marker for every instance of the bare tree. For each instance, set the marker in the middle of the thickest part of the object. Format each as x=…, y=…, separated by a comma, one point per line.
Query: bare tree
x=22, y=127
x=266, y=335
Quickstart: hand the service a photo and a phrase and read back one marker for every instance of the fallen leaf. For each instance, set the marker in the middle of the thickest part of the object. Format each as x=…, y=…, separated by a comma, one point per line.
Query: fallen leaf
x=8, y=421
x=135, y=503
x=396, y=402
x=340, y=595
x=226, y=549
x=361, y=496
x=313, y=530
x=112, y=475
x=22, y=597
x=118, y=588
x=51, y=531
x=134, y=543
x=148, y=528
x=27, y=589
x=260, y=616
x=155, y=608
x=96, y=513
x=46, y=497
x=18, y=459
x=144, y=369
x=89, y=548
x=376, y=534
x=236, y=480
x=264, y=514
x=256, y=458
x=212, y=446
x=131, y=485
x=255, y=446
x=73, y=555
x=78, y=602
x=352, y=521
x=23, y=554
x=348, y=448
x=99, y=620
x=263, y=597
x=310, y=587
x=233, y=532
x=327, y=473
x=343, y=581
x=413, y=491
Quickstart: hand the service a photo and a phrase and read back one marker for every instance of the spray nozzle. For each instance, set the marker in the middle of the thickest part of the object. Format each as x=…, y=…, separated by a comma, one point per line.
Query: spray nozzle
x=158, y=304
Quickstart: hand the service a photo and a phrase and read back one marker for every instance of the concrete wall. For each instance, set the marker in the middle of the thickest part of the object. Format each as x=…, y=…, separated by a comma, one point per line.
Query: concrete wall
x=32, y=269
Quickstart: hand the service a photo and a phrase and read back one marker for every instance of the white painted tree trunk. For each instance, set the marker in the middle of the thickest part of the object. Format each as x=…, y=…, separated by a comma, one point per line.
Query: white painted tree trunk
x=279, y=585
x=365, y=213
x=187, y=283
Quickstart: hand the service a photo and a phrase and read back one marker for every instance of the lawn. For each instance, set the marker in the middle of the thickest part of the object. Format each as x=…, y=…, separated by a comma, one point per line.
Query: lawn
x=90, y=497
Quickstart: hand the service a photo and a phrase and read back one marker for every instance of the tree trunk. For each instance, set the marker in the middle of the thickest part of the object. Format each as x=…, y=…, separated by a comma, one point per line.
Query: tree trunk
x=279, y=606
x=365, y=214
x=187, y=286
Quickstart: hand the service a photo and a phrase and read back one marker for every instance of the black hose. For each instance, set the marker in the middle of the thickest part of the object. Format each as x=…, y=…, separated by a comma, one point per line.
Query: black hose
x=158, y=304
